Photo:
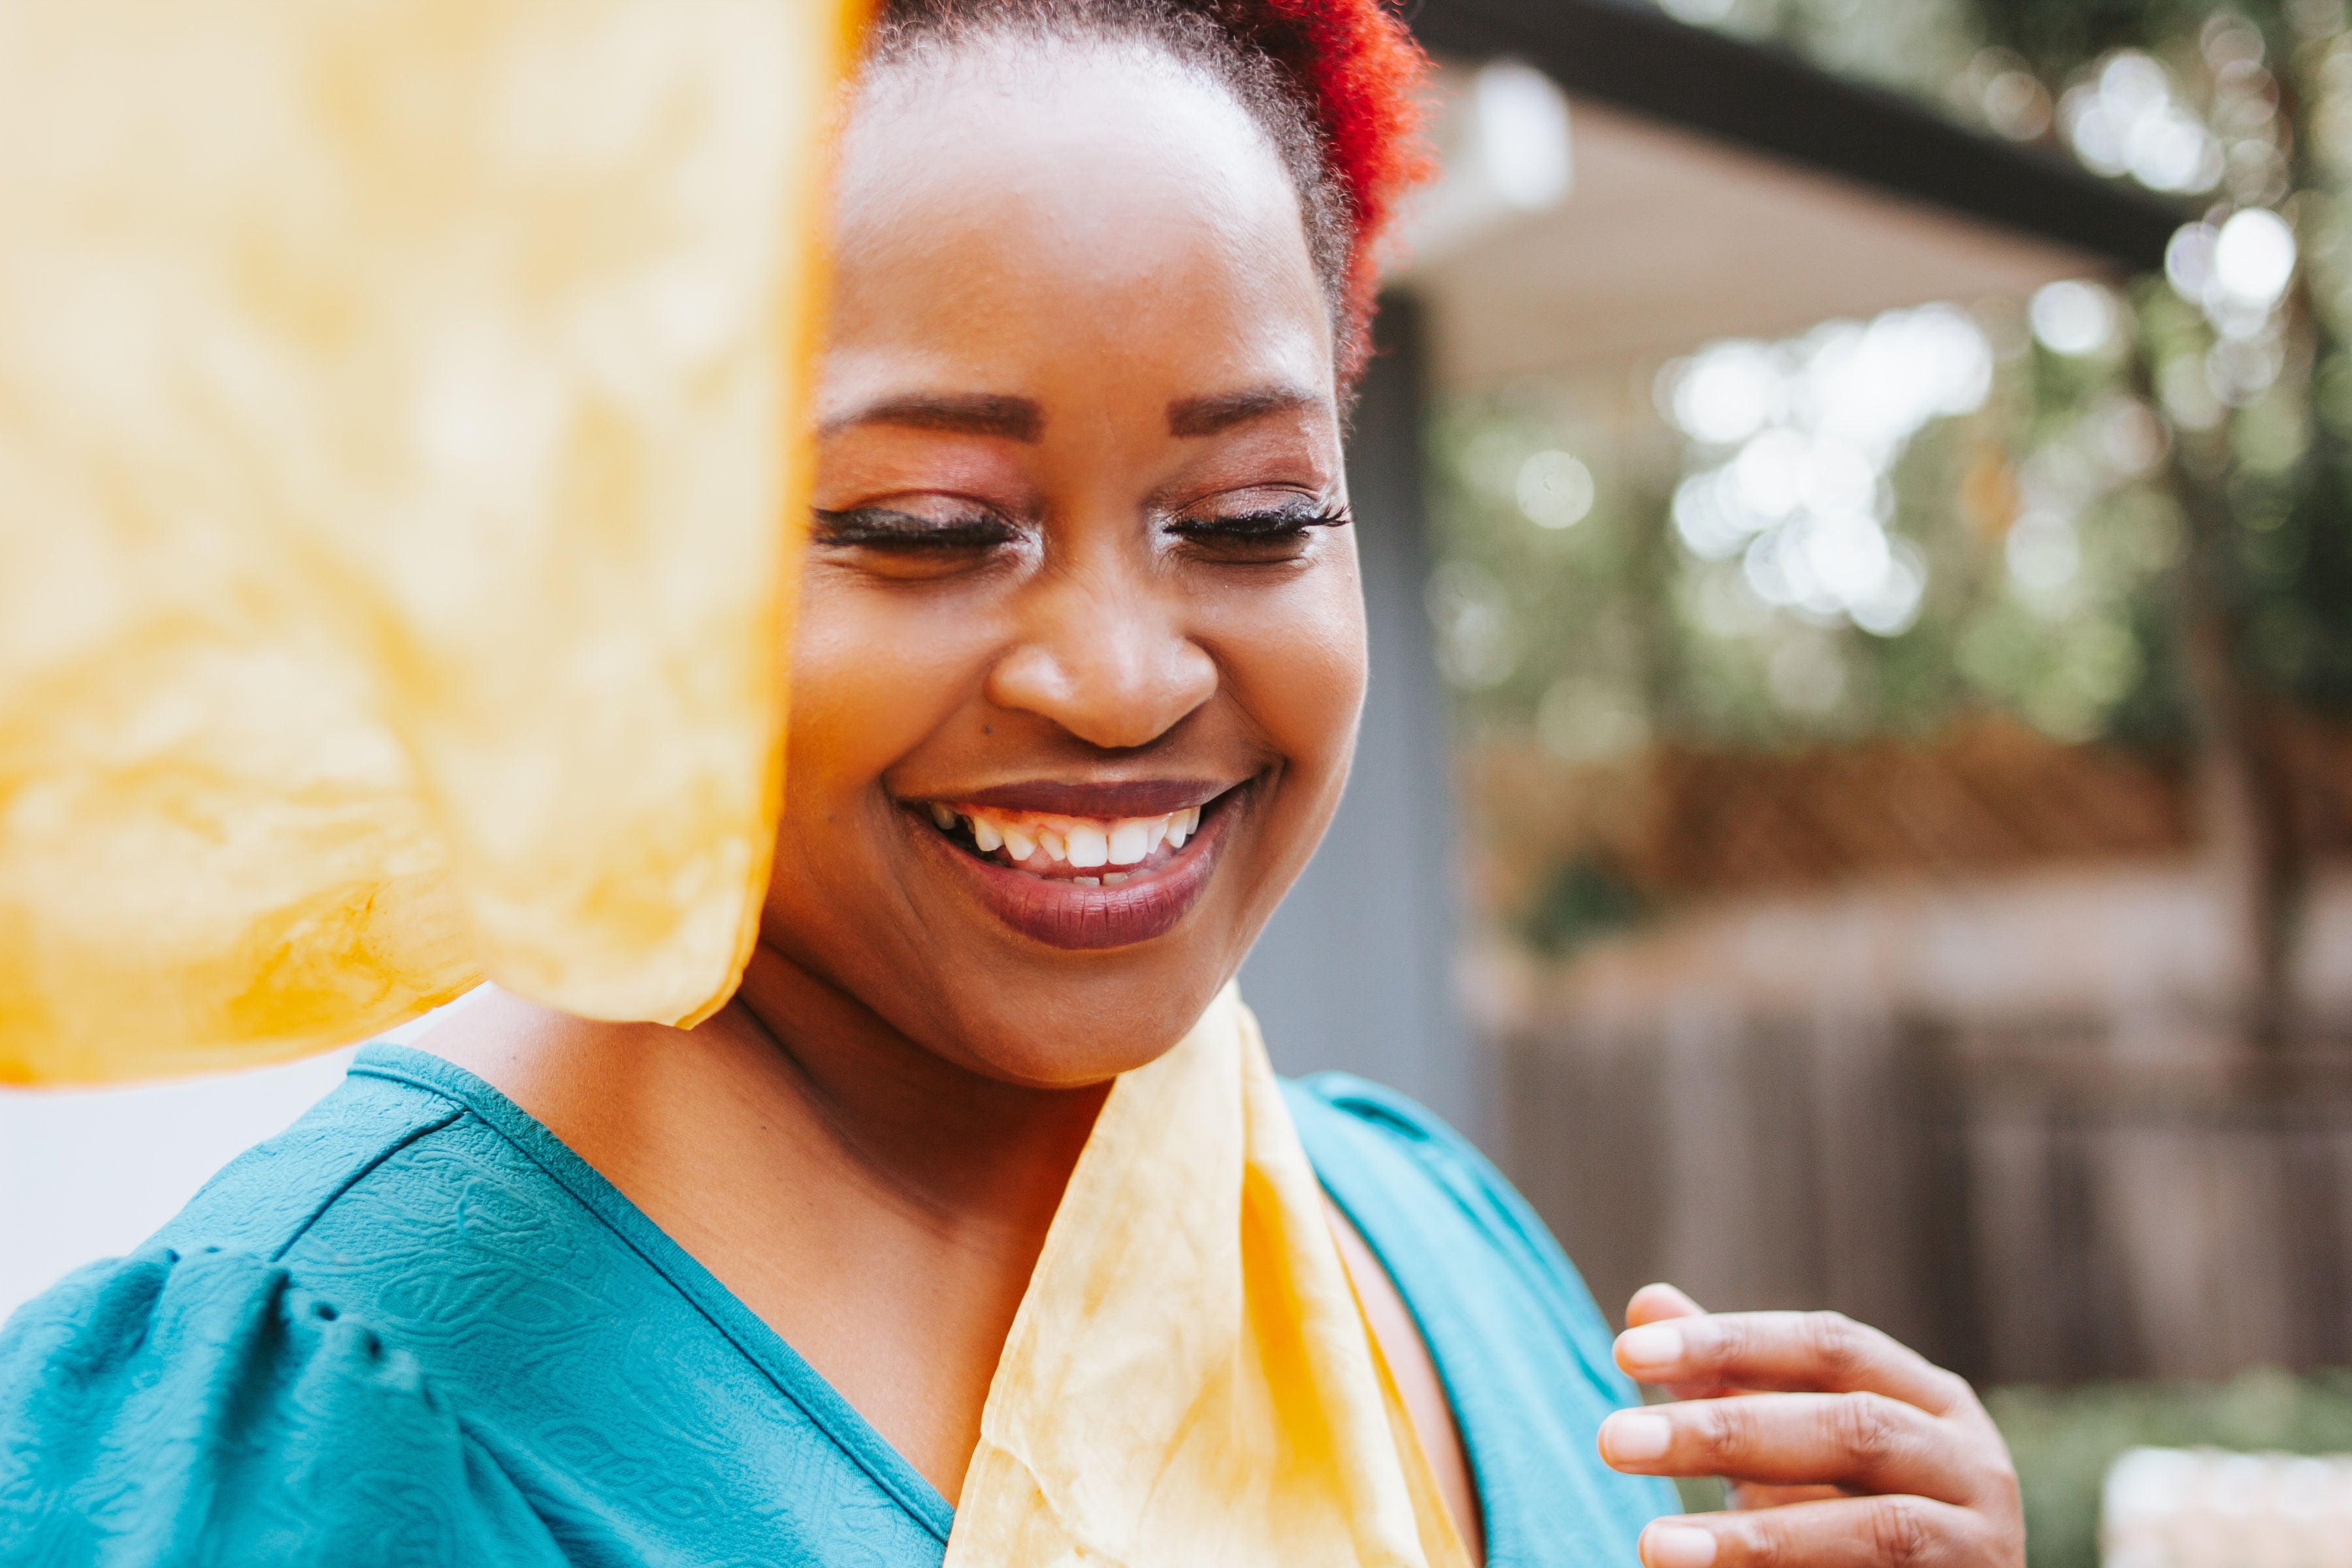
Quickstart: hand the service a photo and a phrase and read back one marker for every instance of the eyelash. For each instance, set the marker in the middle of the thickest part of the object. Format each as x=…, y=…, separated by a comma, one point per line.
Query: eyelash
x=881, y=527
x=1262, y=526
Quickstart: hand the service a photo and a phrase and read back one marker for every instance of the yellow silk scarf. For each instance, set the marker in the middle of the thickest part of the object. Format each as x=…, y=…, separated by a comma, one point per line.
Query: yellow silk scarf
x=1191, y=1379
x=397, y=498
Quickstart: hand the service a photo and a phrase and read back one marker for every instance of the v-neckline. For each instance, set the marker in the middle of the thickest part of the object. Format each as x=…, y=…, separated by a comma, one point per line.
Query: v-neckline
x=1501, y=1538
x=767, y=1352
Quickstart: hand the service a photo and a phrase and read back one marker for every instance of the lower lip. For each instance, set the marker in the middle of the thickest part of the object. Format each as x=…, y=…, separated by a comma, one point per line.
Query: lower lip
x=1068, y=915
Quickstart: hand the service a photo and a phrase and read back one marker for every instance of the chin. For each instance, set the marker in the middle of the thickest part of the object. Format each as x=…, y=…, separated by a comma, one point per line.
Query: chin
x=1068, y=1032
x=1018, y=947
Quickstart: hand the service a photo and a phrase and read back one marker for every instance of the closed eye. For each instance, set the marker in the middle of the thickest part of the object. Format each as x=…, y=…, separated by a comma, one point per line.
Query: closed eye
x=1253, y=526
x=882, y=528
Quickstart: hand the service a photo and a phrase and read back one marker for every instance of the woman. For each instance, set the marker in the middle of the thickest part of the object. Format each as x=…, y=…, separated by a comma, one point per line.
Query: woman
x=1078, y=668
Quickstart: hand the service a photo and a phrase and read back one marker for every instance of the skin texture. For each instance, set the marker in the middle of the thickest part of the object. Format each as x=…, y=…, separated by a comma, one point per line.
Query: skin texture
x=1846, y=1450
x=868, y=1145
x=1076, y=329
x=1087, y=260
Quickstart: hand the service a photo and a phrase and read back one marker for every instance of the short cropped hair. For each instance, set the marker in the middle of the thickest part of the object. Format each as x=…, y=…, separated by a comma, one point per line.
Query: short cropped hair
x=1334, y=84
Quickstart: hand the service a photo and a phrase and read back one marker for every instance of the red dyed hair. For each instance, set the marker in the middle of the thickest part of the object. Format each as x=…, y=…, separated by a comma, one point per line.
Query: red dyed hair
x=1354, y=66
x=1336, y=83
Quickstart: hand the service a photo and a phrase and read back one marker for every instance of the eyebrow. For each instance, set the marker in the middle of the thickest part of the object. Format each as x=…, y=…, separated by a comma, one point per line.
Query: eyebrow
x=961, y=413
x=1224, y=410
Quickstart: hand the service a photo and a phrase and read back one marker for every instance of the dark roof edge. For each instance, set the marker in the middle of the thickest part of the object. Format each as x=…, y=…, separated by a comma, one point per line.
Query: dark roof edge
x=1628, y=54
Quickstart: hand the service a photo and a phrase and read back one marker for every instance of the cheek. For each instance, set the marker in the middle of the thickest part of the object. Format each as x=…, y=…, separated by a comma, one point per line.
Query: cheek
x=874, y=672
x=1295, y=660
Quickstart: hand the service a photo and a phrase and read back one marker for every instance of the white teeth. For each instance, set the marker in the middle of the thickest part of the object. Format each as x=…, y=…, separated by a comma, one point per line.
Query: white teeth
x=1113, y=878
x=943, y=817
x=1089, y=844
x=1079, y=842
x=1088, y=881
x=1130, y=841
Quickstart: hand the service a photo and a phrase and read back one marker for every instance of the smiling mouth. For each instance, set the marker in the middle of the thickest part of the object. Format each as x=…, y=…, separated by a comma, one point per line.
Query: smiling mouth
x=1083, y=881
x=1087, y=851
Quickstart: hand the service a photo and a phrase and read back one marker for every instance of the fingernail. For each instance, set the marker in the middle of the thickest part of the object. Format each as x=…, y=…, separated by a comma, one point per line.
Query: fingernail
x=1636, y=1436
x=1676, y=1546
x=1651, y=1345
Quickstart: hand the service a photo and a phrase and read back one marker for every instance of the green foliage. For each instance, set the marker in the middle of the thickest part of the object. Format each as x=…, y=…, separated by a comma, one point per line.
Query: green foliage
x=1909, y=44
x=2262, y=409
x=2057, y=36
x=2063, y=1439
x=1558, y=628
x=1578, y=902
x=1603, y=634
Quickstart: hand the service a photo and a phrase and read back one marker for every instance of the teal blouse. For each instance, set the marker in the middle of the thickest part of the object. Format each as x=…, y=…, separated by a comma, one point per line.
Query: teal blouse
x=415, y=1329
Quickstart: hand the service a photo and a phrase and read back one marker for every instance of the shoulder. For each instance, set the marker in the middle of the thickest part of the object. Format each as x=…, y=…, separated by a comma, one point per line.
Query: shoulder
x=1378, y=1149
x=226, y=1395
x=411, y=1166
x=416, y=1330
x=267, y=1197
x=205, y=1405
x=1523, y=1351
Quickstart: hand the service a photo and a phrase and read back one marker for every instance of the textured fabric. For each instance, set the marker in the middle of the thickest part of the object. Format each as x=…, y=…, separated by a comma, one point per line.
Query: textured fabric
x=395, y=523
x=1519, y=1344
x=1189, y=1378
x=519, y=1368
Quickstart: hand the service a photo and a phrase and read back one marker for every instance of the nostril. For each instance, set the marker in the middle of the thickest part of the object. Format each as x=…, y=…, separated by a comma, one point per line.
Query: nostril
x=325, y=1312
x=1110, y=672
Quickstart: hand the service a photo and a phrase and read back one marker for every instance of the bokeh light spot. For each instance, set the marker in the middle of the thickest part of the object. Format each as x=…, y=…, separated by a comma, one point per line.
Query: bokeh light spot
x=2072, y=317
x=1555, y=489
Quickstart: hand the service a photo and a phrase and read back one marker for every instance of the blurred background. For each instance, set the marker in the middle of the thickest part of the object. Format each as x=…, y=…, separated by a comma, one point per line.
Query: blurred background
x=1859, y=509
x=1855, y=807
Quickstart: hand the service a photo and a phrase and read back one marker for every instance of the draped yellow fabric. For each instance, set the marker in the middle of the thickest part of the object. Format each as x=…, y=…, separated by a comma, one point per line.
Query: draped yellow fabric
x=1189, y=1378
x=397, y=474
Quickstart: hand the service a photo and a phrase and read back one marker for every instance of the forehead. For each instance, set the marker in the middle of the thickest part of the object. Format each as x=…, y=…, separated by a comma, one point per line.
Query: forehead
x=1013, y=214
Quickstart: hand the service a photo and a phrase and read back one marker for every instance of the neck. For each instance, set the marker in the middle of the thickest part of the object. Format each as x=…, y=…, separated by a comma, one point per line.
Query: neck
x=962, y=1149
x=881, y=1208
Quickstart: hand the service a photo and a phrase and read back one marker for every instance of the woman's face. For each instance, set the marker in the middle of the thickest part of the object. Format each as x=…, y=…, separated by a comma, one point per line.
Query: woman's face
x=1081, y=647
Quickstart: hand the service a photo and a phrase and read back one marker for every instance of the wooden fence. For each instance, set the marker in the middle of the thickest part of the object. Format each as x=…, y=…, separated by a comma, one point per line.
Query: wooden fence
x=1982, y=1039
x=2046, y=1204
x=1984, y=798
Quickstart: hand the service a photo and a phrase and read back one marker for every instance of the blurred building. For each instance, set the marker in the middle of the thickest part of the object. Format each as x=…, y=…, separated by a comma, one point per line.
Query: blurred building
x=2036, y=1051
x=1618, y=188
x=1977, y=1034
x=2172, y=1508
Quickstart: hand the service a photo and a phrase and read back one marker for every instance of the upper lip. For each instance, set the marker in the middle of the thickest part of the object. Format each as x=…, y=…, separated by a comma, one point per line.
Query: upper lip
x=1093, y=798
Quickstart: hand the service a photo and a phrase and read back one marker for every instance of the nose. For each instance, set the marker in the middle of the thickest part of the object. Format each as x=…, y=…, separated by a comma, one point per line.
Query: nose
x=1104, y=654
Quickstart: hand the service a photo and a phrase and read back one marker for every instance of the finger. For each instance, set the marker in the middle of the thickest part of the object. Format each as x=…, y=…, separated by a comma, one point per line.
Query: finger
x=1853, y=1533
x=1816, y=1351
x=1755, y=1494
x=1865, y=1441
x=1655, y=1303
x=1662, y=1303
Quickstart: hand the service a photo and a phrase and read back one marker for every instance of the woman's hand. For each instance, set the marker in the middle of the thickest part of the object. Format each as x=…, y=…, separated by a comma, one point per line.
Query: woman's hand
x=1846, y=1449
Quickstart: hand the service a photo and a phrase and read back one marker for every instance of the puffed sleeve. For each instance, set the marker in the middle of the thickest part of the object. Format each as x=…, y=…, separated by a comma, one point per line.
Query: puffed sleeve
x=208, y=1409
